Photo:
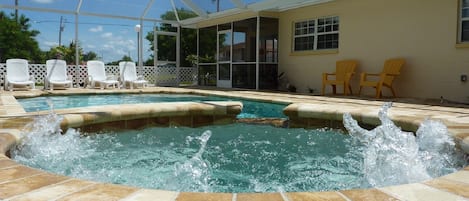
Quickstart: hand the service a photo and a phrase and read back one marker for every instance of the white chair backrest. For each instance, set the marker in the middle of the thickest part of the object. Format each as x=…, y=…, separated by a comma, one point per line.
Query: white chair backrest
x=127, y=70
x=96, y=70
x=56, y=69
x=17, y=70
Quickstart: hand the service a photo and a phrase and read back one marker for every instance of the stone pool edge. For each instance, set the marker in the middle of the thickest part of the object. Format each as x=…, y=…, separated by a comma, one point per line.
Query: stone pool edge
x=37, y=184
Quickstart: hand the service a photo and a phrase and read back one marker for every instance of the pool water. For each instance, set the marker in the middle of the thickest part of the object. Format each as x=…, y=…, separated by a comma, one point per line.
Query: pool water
x=251, y=109
x=229, y=158
x=244, y=157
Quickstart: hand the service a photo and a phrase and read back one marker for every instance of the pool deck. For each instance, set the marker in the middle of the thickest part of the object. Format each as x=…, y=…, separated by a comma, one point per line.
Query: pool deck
x=18, y=182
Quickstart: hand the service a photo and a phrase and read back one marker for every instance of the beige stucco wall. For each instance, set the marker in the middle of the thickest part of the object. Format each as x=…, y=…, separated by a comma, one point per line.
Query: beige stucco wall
x=424, y=32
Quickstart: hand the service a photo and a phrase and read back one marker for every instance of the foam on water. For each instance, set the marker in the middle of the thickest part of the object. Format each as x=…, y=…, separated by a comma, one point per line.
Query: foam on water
x=392, y=156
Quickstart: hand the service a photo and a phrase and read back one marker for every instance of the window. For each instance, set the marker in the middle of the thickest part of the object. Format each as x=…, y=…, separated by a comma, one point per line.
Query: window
x=317, y=34
x=464, y=26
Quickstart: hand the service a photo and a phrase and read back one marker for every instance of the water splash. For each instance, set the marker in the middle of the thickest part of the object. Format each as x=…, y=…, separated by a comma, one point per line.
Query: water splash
x=42, y=145
x=197, y=169
x=392, y=156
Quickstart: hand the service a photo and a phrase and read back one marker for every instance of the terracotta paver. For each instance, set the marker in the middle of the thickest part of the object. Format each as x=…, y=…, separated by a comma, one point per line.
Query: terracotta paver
x=315, y=196
x=186, y=196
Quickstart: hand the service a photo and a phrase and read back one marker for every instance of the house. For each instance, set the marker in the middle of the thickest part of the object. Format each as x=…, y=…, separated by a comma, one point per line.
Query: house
x=432, y=35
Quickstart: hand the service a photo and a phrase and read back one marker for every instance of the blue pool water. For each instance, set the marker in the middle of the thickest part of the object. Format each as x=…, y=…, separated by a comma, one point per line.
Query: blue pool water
x=219, y=158
x=251, y=109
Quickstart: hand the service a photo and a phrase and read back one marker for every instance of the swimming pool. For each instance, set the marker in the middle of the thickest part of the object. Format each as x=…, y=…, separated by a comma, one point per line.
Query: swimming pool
x=251, y=109
x=245, y=158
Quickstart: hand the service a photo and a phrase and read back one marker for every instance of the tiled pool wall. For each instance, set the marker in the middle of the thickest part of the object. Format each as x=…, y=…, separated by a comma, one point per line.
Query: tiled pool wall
x=18, y=182
x=189, y=114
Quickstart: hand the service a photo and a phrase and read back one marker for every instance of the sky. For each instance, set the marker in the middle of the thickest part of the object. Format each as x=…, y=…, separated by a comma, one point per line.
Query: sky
x=110, y=38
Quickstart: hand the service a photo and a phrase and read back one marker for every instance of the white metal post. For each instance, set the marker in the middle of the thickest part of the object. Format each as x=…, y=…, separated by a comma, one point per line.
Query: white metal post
x=77, y=53
x=178, y=55
x=140, y=49
x=258, y=28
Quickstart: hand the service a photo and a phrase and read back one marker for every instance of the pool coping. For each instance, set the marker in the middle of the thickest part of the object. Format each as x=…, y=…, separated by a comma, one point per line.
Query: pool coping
x=18, y=182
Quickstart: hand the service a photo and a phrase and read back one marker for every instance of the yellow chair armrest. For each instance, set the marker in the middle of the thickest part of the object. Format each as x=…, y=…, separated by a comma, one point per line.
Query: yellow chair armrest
x=326, y=75
x=372, y=74
x=392, y=74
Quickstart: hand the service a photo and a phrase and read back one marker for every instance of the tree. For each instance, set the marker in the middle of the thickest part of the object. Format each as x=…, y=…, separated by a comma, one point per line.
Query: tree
x=65, y=53
x=124, y=58
x=90, y=56
x=17, y=41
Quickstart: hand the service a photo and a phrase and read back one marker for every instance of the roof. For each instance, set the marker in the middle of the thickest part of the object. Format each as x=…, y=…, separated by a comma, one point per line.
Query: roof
x=151, y=10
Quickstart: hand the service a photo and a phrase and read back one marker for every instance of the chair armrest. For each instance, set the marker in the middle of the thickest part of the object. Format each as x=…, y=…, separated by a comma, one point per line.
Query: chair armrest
x=372, y=74
x=363, y=76
x=111, y=77
x=326, y=75
x=392, y=74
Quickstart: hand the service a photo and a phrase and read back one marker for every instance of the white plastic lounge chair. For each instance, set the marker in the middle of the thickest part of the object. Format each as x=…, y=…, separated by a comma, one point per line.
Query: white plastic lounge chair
x=57, y=74
x=128, y=74
x=97, y=76
x=18, y=74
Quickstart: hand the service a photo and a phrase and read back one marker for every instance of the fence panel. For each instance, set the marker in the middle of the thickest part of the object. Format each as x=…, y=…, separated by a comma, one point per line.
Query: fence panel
x=159, y=76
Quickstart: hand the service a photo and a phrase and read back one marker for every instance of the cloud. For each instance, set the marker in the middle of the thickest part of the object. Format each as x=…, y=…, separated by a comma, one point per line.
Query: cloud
x=96, y=29
x=50, y=43
x=107, y=35
x=43, y=1
x=113, y=47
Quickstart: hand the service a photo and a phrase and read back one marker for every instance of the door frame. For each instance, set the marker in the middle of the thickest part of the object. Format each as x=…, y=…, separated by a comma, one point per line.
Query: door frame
x=155, y=51
x=225, y=83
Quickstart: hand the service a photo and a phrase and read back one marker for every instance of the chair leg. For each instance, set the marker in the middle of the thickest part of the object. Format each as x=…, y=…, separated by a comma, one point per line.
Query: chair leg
x=347, y=90
x=393, y=92
x=378, y=91
x=334, y=90
x=323, y=89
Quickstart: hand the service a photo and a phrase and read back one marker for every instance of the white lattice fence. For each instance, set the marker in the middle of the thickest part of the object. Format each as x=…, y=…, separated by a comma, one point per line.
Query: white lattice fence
x=188, y=75
x=168, y=76
x=161, y=76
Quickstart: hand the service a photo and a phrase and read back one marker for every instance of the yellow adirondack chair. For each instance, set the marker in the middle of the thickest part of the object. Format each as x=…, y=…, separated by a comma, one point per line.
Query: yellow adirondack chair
x=391, y=69
x=344, y=71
